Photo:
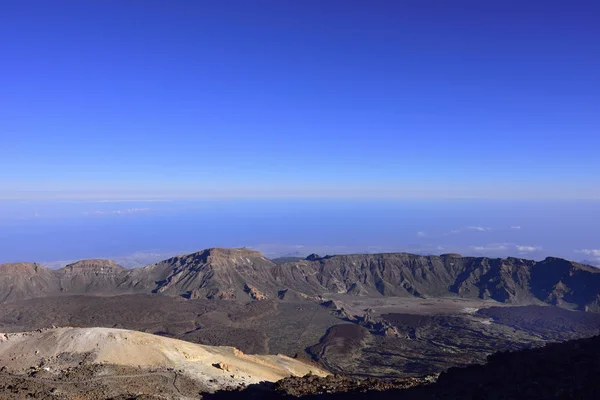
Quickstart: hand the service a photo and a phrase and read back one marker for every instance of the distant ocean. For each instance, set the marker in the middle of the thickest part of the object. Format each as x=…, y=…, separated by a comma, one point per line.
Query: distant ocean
x=53, y=231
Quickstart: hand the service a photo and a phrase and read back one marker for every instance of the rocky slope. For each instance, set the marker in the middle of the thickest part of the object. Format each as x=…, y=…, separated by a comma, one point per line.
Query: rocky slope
x=105, y=363
x=246, y=274
x=90, y=276
x=566, y=370
x=55, y=350
x=26, y=280
x=555, y=281
x=213, y=273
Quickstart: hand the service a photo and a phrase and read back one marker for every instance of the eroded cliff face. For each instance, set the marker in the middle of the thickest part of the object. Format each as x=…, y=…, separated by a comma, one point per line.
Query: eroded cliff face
x=512, y=280
x=247, y=274
x=90, y=276
x=212, y=273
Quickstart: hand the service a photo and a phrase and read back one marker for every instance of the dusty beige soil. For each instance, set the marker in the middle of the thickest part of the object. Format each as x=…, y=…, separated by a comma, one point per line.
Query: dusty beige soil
x=82, y=357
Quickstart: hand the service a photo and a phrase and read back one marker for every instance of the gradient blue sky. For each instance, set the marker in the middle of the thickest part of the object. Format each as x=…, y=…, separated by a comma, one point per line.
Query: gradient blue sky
x=144, y=99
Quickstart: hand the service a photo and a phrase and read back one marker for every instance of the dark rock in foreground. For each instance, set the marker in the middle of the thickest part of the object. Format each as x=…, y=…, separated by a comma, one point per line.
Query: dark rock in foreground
x=567, y=370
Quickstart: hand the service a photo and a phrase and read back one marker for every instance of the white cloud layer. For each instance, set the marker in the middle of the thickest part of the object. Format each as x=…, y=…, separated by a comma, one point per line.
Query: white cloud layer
x=478, y=228
x=490, y=247
x=505, y=247
x=468, y=228
x=590, y=252
x=118, y=212
x=528, y=249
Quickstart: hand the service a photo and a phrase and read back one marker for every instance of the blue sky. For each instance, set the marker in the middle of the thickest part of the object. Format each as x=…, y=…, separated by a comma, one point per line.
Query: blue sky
x=153, y=99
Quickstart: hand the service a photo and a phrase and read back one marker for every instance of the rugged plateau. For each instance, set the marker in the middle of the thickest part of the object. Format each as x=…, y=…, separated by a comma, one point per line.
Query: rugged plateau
x=244, y=274
x=395, y=319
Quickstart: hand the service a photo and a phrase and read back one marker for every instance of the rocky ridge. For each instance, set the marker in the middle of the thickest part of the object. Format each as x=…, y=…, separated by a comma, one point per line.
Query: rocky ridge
x=247, y=274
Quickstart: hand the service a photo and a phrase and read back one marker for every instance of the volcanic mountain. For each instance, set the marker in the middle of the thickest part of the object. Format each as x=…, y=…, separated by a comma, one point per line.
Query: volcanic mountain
x=246, y=274
x=213, y=273
x=26, y=280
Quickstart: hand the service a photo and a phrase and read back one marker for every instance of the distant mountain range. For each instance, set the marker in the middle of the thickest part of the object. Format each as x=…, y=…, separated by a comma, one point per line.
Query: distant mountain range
x=591, y=262
x=135, y=260
x=245, y=274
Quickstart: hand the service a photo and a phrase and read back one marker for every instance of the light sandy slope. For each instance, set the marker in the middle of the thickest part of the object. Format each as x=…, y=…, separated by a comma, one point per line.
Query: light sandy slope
x=63, y=347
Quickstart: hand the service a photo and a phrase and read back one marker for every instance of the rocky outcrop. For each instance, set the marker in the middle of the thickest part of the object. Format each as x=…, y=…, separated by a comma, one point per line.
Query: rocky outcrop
x=254, y=292
x=314, y=385
x=313, y=257
x=222, y=366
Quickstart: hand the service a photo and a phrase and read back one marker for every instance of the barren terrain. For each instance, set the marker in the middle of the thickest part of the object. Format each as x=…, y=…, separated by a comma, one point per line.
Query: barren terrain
x=52, y=353
x=388, y=316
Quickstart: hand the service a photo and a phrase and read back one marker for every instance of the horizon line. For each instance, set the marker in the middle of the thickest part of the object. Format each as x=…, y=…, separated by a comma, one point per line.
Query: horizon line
x=156, y=197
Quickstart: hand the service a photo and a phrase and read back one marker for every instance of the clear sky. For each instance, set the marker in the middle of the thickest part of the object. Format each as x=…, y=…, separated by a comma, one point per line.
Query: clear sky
x=300, y=98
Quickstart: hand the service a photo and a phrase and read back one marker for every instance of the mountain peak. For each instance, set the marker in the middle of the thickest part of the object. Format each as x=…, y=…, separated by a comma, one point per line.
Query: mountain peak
x=451, y=255
x=21, y=268
x=219, y=255
x=213, y=273
x=231, y=252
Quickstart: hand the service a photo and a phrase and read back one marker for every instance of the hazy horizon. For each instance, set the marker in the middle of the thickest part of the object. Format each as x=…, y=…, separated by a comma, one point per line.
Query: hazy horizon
x=140, y=233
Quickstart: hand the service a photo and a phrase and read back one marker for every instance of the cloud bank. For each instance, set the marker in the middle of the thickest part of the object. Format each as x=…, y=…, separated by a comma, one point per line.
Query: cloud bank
x=528, y=249
x=468, y=228
x=589, y=252
x=490, y=247
x=118, y=212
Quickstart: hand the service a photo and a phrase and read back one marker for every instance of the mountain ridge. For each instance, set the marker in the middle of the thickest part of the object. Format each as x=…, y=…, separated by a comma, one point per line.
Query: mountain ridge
x=244, y=274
